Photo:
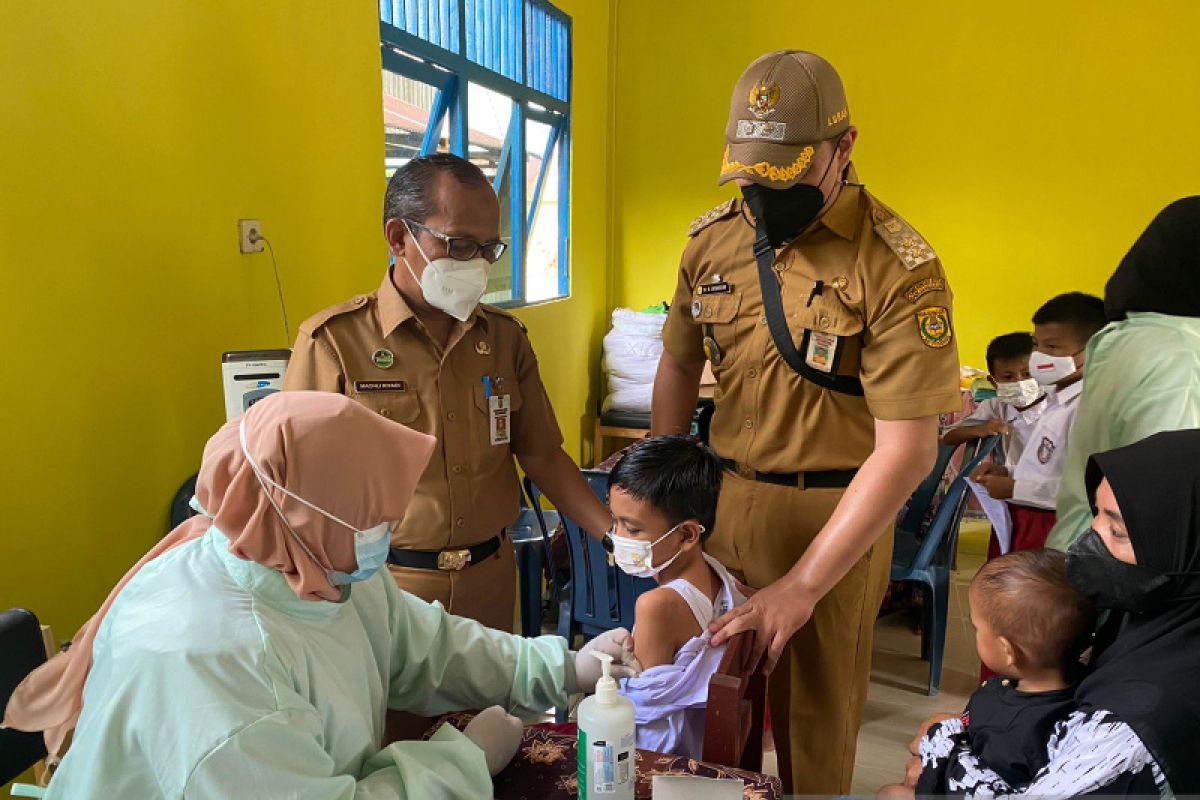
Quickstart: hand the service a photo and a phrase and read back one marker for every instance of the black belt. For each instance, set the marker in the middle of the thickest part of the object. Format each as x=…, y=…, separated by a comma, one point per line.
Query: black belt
x=445, y=560
x=820, y=479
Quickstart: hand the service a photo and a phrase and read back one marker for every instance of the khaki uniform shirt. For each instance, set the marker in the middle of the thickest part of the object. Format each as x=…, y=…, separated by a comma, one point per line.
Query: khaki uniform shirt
x=374, y=349
x=883, y=314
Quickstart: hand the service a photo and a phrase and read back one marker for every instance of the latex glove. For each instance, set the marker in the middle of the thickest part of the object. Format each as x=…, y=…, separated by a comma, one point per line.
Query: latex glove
x=498, y=734
x=618, y=644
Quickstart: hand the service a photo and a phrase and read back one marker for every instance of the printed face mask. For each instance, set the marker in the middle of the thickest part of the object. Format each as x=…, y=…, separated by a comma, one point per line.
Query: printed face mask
x=1019, y=393
x=1049, y=370
x=370, y=546
x=636, y=558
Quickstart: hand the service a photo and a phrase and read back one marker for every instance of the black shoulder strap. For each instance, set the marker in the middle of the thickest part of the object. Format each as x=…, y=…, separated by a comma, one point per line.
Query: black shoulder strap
x=764, y=254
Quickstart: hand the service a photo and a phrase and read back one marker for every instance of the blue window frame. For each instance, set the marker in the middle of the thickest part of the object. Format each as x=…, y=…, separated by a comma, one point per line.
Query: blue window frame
x=490, y=80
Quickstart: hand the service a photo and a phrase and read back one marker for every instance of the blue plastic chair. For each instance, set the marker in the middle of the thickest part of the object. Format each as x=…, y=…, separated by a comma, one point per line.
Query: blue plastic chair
x=925, y=555
x=600, y=596
x=531, y=543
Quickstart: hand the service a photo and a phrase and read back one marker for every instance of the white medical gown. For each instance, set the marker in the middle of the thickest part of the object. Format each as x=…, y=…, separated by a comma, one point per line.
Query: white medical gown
x=211, y=679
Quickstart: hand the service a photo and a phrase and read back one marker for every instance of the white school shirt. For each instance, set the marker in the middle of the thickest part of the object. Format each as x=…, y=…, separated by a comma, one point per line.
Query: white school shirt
x=1020, y=425
x=1037, y=473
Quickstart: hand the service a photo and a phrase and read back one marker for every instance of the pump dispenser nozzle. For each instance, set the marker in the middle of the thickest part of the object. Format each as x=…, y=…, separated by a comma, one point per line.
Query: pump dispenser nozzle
x=606, y=687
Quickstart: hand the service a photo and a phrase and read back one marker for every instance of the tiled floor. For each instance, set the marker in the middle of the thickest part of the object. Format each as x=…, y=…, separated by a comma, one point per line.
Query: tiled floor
x=898, y=702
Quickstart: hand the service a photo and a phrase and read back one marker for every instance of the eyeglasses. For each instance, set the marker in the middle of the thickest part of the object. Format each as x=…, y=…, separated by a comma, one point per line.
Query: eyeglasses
x=463, y=248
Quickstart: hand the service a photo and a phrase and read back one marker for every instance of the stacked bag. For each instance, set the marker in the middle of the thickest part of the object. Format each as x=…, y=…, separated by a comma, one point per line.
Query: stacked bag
x=631, y=352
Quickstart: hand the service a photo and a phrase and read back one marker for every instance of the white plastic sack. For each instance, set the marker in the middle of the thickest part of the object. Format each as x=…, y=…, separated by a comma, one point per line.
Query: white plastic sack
x=632, y=349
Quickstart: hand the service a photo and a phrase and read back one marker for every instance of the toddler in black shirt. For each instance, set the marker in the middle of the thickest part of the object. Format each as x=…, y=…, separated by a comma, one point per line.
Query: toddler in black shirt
x=1030, y=628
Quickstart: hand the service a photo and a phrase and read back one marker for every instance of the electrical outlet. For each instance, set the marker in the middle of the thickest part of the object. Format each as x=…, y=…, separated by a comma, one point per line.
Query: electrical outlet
x=249, y=233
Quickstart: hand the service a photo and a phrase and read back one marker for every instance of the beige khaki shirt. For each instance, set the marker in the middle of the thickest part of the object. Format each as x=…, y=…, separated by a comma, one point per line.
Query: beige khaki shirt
x=883, y=313
x=374, y=349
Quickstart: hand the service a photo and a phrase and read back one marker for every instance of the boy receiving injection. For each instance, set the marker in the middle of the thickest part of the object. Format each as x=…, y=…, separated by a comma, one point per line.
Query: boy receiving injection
x=663, y=496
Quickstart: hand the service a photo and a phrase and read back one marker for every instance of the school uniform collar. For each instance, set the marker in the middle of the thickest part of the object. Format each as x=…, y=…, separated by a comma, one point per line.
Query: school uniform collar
x=1067, y=395
x=394, y=310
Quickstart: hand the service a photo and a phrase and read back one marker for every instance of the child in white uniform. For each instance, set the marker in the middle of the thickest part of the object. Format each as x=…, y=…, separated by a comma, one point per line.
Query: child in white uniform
x=1014, y=410
x=663, y=496
x=1061, y=330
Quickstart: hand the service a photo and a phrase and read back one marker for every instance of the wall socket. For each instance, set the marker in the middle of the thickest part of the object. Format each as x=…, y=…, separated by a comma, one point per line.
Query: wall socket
x=249, y=233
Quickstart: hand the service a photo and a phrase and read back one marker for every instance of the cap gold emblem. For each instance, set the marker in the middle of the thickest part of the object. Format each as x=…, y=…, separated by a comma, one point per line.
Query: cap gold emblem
x=763, y=99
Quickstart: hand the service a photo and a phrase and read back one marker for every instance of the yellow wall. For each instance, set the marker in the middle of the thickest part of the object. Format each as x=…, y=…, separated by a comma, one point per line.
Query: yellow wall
x=1030, y=142
x=132, y=137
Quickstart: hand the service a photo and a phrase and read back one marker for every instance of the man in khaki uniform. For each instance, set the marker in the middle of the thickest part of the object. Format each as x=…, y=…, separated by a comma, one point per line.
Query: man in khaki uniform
x=420, y=350
x=827, y=321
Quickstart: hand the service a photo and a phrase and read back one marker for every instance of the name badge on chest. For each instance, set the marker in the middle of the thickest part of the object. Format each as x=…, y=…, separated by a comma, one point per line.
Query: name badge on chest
x=500, y=418
x=822, y=351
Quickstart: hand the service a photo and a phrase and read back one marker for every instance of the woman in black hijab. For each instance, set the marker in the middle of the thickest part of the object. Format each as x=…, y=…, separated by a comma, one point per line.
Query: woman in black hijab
x=1143, y=371
x=1137, y=727
x=1142, y=560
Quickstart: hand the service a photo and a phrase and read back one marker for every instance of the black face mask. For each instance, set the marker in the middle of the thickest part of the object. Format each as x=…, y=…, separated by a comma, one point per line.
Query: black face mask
x=784, y=213
x=1111, y=583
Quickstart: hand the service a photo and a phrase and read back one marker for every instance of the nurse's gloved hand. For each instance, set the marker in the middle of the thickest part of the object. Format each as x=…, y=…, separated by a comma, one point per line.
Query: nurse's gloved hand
x=498, y=734
x=616, y=643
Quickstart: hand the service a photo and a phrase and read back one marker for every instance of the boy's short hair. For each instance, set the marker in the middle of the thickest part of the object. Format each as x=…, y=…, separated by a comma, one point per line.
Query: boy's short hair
x=1025, y=597
x=680, y=477
x=1008, y=347
x=1083, y=312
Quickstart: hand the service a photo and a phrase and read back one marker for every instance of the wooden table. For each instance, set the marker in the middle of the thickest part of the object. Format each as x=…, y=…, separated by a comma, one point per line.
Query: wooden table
x=545, y=767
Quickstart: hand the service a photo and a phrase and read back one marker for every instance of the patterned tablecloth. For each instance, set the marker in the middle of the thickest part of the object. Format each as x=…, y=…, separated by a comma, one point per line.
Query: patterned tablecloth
x=545, y=767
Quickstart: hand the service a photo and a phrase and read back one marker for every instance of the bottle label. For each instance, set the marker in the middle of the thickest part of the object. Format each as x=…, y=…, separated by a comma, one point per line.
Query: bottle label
x=605, y=766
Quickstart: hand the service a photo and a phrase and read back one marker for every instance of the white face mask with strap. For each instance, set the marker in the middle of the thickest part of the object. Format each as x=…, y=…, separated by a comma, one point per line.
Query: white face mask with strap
x=636, y=558
x=448, y=285
x=1019, y=393
x=1048, y=370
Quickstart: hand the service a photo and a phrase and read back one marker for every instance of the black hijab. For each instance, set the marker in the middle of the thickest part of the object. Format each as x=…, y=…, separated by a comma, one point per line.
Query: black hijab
x=1149, y=676
x=1161, y=272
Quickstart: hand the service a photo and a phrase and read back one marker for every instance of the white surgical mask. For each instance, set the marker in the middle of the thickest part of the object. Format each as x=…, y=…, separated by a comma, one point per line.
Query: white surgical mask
x=1048, y=370
x=449, y=285
x=1019, y=393
x=636, y=557
x=370, y=546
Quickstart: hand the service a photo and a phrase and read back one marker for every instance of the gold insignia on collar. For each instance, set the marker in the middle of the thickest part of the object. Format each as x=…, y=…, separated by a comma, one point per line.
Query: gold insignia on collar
x=483, y=348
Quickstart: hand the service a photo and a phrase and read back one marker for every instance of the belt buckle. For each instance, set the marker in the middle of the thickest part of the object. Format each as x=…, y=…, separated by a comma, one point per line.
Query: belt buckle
x=453, y=560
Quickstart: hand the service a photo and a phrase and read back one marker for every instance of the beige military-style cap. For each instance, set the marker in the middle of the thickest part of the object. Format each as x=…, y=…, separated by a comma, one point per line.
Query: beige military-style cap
x=784, y=105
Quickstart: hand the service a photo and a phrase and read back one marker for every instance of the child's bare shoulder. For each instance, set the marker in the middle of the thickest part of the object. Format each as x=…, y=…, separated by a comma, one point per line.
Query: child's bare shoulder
x=664, y=622
x=662, y=605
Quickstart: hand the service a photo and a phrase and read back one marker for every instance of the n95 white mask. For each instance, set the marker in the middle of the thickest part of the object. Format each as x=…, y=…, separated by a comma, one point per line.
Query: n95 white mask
x=450, y=285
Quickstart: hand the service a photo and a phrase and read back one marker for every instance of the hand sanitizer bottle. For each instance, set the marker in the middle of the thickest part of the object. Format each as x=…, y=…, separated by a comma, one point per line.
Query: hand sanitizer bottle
x=607, y=761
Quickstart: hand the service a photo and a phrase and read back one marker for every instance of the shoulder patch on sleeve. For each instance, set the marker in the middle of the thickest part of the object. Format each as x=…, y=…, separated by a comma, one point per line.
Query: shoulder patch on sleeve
x=906, y=243
x=314, y=323
x=722, y=211
x=500, y=312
